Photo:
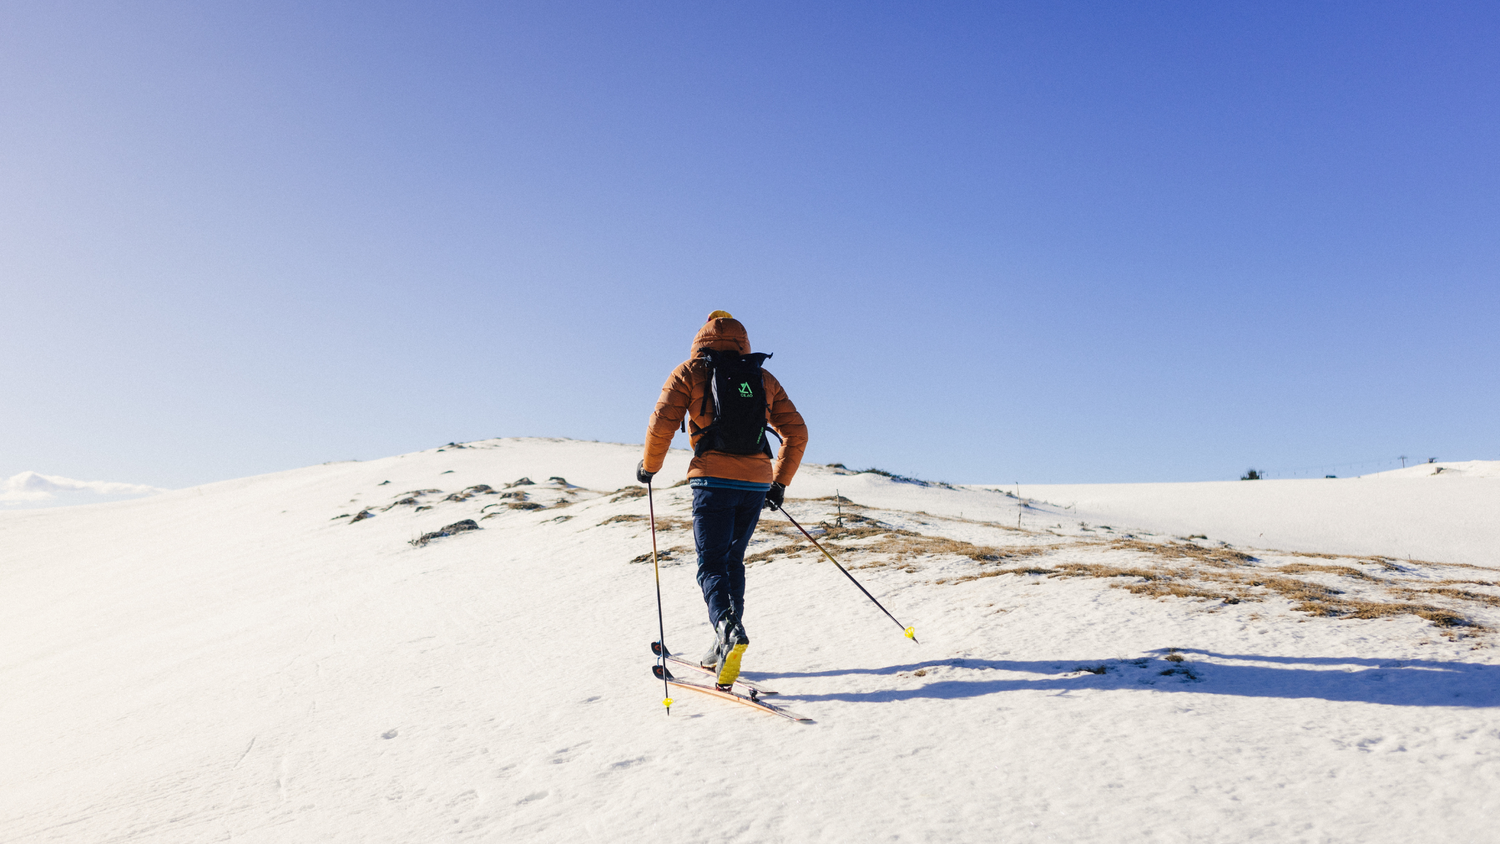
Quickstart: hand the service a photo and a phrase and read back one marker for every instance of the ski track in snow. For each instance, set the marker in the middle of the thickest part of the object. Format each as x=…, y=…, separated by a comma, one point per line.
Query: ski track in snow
x=244, y=662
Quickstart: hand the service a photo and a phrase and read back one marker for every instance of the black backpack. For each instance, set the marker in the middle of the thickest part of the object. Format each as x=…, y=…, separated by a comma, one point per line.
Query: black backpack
x=736, y=396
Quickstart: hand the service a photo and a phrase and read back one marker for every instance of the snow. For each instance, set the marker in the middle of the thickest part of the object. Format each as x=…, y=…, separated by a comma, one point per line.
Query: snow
x=244, y=661
x=31, y=489
x=1444, y=511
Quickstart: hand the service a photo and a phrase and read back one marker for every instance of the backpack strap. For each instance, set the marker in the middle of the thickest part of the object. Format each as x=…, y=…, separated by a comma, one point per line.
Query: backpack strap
x=708, y=386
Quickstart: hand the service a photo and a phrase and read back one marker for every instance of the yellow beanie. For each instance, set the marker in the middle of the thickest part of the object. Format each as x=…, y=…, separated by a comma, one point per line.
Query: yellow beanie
x=719, y=315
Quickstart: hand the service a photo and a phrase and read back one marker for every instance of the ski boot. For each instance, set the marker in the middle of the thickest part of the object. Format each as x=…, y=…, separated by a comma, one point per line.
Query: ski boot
x=730, y=642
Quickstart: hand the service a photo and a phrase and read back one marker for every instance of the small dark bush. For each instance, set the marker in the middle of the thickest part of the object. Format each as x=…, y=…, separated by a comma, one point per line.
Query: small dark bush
x=456, y=527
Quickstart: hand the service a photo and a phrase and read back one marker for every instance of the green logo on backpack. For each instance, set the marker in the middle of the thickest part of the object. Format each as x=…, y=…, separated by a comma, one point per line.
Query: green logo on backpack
x=745, y=390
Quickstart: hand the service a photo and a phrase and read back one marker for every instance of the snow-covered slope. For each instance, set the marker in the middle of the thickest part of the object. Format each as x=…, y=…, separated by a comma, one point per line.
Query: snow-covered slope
x=1435, y=511
x=253, y=660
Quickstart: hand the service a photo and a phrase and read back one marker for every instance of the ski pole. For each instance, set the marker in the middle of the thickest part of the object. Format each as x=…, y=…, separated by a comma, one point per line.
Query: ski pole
x=911, y=632
x=661, y=626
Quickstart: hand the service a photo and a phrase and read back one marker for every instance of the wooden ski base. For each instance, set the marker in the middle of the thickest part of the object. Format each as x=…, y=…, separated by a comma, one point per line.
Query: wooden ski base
x=711, y=689
x=674, y=659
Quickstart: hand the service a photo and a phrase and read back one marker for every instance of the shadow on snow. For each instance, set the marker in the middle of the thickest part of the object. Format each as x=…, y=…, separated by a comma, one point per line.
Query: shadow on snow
x=1410, y=682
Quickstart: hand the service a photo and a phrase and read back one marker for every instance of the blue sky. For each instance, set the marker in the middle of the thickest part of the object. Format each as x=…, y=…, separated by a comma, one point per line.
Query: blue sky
x=1036, y=242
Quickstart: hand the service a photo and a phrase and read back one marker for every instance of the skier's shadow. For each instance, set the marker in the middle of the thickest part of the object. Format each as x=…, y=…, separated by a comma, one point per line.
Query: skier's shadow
x=1409, y=682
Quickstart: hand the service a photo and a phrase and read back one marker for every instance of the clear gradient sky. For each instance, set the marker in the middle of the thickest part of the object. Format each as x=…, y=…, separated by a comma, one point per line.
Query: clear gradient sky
x=987, y=242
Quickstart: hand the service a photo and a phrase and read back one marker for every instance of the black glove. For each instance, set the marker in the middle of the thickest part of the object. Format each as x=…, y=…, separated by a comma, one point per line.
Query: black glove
x=774, y=496
x=641, y=474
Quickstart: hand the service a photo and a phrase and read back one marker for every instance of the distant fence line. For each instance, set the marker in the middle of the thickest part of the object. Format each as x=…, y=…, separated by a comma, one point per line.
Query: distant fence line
x=1357, y=467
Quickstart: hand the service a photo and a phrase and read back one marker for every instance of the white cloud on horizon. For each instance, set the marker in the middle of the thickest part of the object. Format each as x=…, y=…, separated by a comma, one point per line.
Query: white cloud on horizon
x=34, y=488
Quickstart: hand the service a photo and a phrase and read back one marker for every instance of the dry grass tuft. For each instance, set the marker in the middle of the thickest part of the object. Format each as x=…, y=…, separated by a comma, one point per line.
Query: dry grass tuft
x=1345, y=571
x=897, y=546
x=1450, y=582
x=1164, y=588
x=663, y=523
x=776, y=553
x=667, y=556
x=1439, y=616
x=1456, y=594
x=1187, y=570
x=1222, y=557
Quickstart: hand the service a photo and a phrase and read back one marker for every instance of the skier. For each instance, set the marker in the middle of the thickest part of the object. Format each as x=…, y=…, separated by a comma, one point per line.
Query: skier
x=728, y=401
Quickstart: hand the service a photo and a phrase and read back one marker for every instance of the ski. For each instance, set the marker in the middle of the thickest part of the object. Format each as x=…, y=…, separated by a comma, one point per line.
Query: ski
x=757, y=688
x=752, y=700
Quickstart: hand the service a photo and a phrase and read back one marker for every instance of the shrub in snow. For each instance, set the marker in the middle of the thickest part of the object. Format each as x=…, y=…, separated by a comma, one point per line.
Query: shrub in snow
x=456, y=527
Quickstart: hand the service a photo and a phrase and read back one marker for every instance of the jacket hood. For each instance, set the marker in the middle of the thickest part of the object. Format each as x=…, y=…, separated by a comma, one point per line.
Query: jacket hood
x=724, y=334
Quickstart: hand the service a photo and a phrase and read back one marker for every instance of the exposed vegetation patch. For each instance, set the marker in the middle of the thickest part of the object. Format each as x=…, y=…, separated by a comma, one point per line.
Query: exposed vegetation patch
x=1013, y=553
x=466, y=494
x=878, y=544
x=1343, y=571
x=854, y=535
x=1459, y=594
x=1222, y=556
x=450, y=530
x=663, y=523
x=777, y=553
x=1187, y=570
x=668, y=556
x=903, y=479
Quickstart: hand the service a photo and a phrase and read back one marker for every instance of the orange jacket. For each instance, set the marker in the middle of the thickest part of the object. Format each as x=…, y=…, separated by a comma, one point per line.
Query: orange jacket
x=683, y=394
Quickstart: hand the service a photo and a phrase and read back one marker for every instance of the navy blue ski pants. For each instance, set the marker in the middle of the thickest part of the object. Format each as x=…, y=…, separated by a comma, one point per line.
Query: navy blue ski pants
x=723, y=522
